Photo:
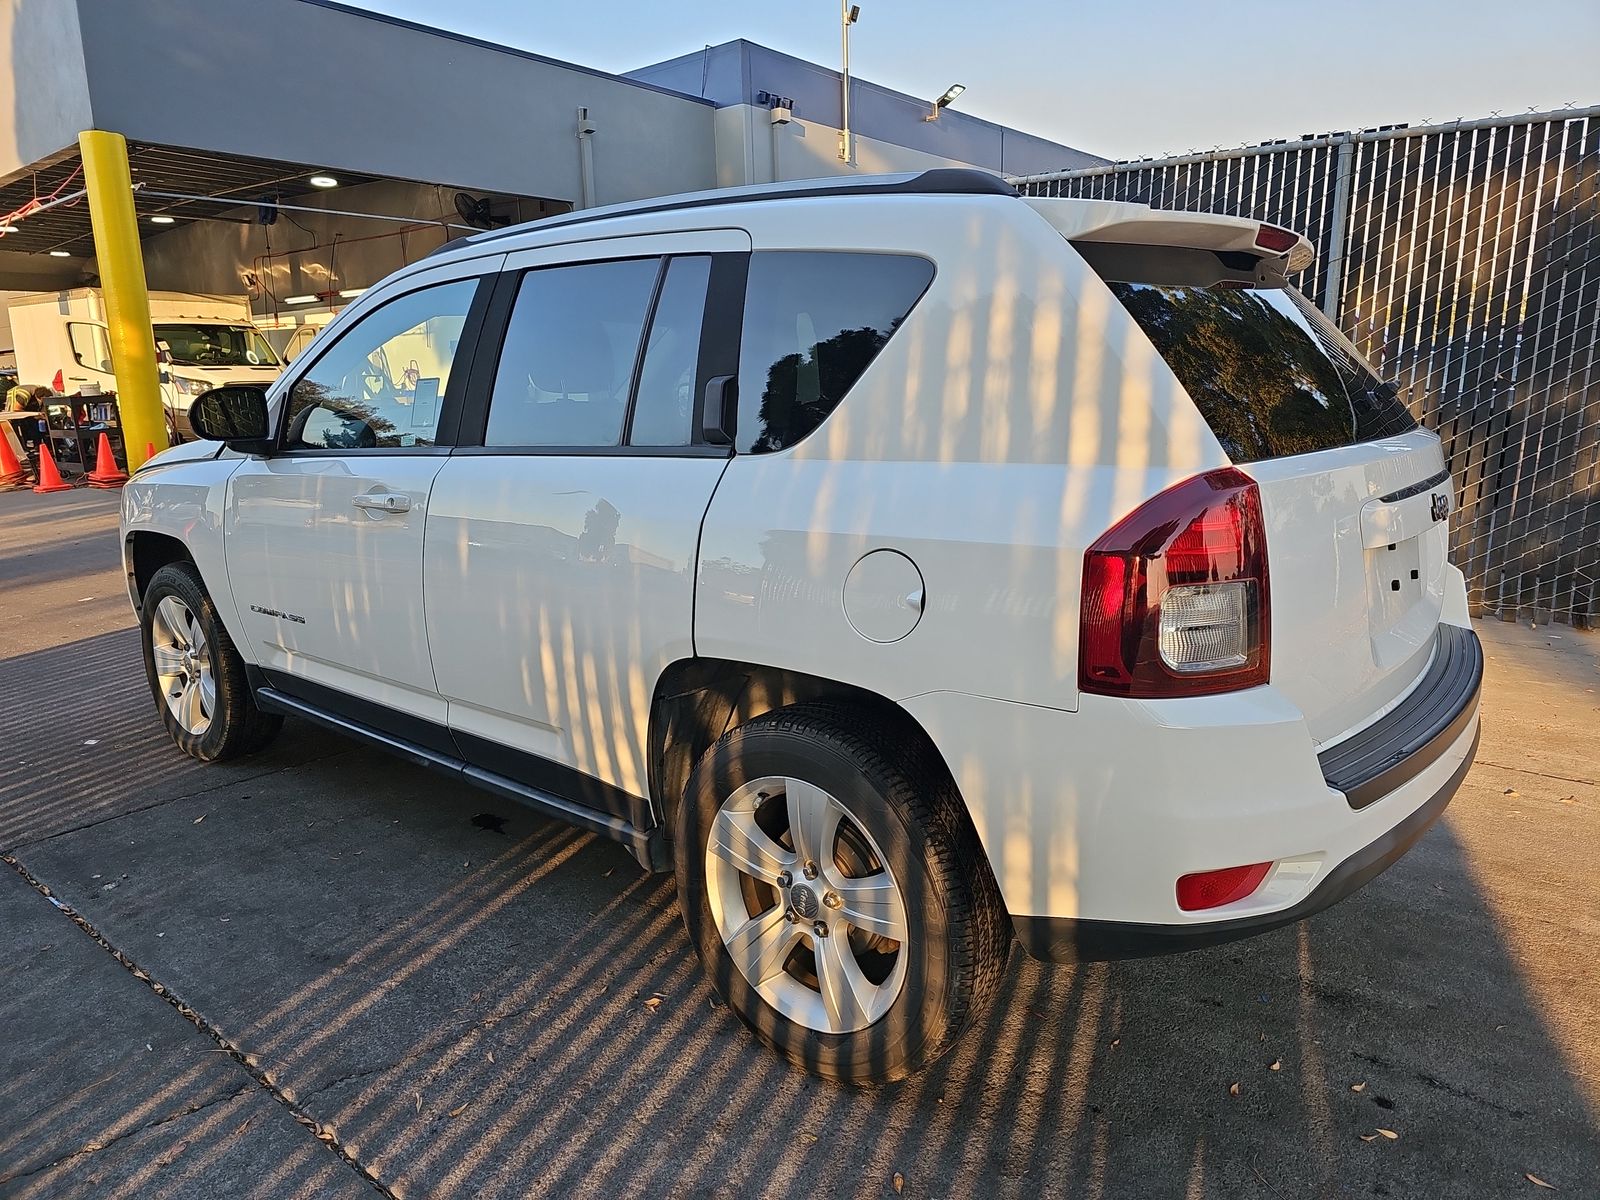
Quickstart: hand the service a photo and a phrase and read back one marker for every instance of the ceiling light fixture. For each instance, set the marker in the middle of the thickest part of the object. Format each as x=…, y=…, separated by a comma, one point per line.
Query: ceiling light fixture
x=60, y=254
x=352, y=293
x=300, y=300
x=323, y=181
x=163, y=220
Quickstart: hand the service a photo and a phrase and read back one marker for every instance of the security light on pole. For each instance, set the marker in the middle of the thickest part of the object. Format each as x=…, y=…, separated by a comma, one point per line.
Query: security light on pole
x=849, y=14
x=950, y=93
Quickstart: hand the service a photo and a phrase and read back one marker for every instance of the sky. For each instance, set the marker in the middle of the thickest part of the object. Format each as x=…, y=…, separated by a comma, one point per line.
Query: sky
x=1123, y=80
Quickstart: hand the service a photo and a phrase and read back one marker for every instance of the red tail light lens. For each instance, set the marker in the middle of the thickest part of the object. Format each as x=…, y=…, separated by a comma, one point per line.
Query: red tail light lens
x=1279, y=241
x=1175, y=596
x=1213, y=889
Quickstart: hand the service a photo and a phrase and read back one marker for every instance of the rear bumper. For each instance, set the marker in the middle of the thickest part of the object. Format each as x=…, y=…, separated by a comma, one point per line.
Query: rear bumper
x=1065, y=939
x=1090, y=818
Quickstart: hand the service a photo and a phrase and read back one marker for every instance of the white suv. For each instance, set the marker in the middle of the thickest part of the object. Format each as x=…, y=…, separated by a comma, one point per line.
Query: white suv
x=909, y=566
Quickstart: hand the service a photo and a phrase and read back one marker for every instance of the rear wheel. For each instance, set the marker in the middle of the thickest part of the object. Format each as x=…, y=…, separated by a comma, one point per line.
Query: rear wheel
x=835, y=892
x=195, y=671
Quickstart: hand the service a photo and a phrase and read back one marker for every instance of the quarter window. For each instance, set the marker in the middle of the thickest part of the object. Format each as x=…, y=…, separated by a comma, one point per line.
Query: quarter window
x=382, y=384
x=813, y=322
x=566, y=367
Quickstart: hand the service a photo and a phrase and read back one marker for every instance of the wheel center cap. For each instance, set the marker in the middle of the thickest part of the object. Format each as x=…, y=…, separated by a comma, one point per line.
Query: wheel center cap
x=804, y=901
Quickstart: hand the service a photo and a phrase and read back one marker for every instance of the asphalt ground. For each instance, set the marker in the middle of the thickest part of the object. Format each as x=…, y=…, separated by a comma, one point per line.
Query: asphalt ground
x=324, y=972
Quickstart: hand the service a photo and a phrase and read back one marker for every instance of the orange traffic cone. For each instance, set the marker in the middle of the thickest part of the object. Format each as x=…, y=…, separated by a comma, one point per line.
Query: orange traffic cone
x=149, y=451
x=11, y=472
x=106, y=473
x=49, y=477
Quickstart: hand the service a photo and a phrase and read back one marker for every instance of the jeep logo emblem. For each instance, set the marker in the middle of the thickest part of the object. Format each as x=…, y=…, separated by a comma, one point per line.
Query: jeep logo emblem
x=1441, y=506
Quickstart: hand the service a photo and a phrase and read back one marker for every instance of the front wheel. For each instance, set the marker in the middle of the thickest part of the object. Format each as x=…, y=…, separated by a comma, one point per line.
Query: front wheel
x=196, y=672
x=835, y=891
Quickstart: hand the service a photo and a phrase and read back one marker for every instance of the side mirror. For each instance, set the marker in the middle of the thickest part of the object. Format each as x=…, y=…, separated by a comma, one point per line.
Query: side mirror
x=718, y=409
x=234, y=415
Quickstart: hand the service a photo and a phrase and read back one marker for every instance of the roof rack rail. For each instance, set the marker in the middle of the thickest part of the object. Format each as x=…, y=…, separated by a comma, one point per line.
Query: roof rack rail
x=966, y=181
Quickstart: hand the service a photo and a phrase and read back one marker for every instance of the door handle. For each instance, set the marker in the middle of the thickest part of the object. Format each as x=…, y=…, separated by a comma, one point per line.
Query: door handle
x=383, y=502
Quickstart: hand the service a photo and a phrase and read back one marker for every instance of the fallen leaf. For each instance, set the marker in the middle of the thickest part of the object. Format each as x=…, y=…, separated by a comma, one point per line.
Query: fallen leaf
x=1390, y=1134
x=1569, y=800
x=1511, y=792
x=1115, y=1042
x=1277, y=1065
x=459, y=1109
x=491, y=1056
x=808, y=1137
x=419, y=1101
x=1537, y=1182
x=1368, y=1137
x=198, y=819
x=899, y=1182
x=1233, y=1089
x=1358, y=1087
x=653, y=1003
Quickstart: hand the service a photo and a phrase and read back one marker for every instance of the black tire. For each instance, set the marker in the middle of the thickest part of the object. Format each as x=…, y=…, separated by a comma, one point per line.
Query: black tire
x=236, y=726
x=958, y=938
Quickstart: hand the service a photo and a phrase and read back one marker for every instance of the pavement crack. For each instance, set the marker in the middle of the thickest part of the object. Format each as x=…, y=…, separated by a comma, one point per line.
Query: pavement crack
x=1484, y=762
x=188, y=1110
x=323, y=1133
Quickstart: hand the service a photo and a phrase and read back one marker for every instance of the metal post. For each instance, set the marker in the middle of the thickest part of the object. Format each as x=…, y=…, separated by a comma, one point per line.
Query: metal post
x=847, y=150
x=116, y=246
x=1337, y=233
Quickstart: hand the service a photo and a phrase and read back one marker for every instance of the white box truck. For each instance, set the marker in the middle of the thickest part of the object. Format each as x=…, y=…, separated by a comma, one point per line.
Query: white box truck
x=202, y=341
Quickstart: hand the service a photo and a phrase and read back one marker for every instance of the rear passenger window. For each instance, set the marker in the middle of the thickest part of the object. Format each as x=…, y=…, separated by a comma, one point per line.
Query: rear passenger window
x=813, y=322
x=567, y=363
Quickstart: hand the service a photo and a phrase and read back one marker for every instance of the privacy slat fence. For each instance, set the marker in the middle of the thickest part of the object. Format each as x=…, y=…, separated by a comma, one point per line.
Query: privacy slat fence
x=1464, y=260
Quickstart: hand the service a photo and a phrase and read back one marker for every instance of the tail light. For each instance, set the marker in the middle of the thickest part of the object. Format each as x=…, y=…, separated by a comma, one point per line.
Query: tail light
x=1175, y=596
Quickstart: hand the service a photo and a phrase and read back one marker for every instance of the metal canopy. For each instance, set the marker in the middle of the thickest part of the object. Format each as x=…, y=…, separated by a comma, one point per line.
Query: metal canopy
x=159, y=168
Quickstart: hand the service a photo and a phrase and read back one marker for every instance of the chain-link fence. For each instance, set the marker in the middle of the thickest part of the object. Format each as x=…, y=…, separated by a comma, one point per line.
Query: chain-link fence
x=1464, y=260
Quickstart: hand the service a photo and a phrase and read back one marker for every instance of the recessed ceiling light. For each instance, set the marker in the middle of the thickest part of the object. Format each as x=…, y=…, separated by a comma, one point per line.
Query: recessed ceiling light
x=323, y=181
x=8, y=228
x=162, y=220
x=60, y=254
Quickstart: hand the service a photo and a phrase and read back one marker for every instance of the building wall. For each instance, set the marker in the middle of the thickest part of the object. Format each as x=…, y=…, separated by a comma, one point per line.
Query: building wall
x=47, y=104
x=343, y=89
x=735, y=74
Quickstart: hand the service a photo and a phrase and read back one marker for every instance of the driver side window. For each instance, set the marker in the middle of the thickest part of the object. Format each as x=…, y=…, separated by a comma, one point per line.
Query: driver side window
x=382, y=384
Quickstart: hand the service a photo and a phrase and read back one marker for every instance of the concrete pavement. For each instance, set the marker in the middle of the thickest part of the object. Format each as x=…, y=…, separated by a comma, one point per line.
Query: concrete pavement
x=461, y=1011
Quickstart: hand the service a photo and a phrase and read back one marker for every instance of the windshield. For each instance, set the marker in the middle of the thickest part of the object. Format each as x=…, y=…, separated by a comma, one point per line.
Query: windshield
x=1269, y=373
x=216, y=346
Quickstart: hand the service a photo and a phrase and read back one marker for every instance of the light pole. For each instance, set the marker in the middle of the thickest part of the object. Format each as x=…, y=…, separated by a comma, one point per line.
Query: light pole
x=848, y=15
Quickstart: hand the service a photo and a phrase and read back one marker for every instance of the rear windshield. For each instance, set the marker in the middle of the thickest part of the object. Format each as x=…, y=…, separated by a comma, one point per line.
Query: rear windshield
x=1269, y=373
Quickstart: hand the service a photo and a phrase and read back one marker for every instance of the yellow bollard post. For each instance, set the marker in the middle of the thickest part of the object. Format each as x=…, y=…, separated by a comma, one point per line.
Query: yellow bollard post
x=117, y=252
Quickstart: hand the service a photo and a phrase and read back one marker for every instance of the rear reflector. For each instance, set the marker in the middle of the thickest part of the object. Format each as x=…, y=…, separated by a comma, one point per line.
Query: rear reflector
x=1213, y=889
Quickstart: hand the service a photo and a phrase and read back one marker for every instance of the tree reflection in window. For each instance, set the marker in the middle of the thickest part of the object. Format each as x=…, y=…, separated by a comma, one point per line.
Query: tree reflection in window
x=813, y=322
x=1268, y=372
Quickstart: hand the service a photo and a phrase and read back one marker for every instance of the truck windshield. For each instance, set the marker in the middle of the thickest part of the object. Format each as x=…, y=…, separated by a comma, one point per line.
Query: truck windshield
x=216, y=346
